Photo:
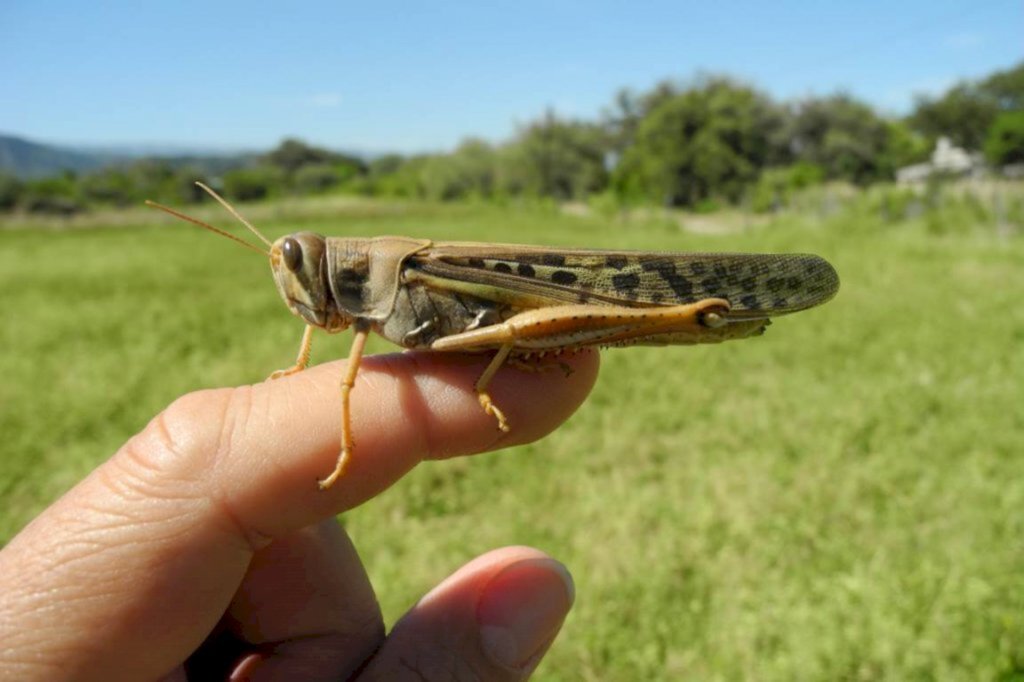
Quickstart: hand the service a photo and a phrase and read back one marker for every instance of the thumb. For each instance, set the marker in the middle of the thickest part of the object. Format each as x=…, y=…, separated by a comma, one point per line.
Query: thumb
x=493, y=619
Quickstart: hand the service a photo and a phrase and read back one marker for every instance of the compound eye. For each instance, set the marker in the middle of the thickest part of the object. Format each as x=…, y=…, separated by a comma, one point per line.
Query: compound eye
x=292, y=254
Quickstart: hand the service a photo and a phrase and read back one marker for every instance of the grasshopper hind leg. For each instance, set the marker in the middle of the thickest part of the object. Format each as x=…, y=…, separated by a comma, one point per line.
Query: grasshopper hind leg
x=302, y=361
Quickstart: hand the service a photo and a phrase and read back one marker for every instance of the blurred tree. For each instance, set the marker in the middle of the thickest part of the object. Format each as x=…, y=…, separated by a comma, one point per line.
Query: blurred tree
x=962, y=114
x=621, y=119
x=250, y=184
x=293, y=154
x=1005, y=142
x=965, y=112
x=347, y=171
x=467, y=172
x=151, y=172
x=628, y=108
x=775, y=186
x=843, y=136
x=1006, y=88
x=54, y=196
x=108, y=186
x=903, y=147
x=10, y=191
x=707, y=141
x=385, y=165
x=379, y=175
x=183, y=185
x=150, y=178
x=439, y=178
x=313, y=178
x=476, y=163
x=398, y=176
x=555, y=158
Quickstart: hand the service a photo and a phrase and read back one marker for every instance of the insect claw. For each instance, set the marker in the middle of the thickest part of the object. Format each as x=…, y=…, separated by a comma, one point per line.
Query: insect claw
x=339, y=471
x=284, y=373
x=493, y=410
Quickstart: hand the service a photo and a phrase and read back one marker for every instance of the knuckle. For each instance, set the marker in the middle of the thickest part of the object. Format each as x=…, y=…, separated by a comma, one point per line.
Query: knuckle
x=184, y=418
x=177, y=456
x=195, y=428
x=172, y=456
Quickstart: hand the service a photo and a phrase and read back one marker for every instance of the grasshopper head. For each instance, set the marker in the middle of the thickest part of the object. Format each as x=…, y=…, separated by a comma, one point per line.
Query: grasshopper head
x=299, y=265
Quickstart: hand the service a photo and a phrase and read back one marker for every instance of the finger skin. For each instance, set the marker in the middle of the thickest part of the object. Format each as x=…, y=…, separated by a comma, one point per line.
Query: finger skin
x=451, y=633
x=126, y=575
x=307, y=605
x=306, y=584
x=305, y=609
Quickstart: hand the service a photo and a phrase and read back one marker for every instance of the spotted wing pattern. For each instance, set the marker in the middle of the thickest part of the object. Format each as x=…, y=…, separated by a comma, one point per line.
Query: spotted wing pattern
x=756, y=285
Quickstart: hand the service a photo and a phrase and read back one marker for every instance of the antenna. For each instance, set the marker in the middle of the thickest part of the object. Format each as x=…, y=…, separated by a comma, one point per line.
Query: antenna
x=211, y=228
x=232, y=211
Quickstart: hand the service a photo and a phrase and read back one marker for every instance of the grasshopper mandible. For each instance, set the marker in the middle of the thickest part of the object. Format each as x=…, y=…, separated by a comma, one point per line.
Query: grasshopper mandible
x=522, y=301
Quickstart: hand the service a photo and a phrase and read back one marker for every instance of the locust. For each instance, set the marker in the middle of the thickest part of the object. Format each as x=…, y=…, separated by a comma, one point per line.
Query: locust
x=521, y=302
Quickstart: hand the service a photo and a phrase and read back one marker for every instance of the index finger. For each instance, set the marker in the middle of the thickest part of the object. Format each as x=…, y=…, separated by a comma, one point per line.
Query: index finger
x=266, y=445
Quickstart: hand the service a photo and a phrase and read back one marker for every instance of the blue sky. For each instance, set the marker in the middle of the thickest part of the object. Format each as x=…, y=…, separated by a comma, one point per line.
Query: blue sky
x=421, y=76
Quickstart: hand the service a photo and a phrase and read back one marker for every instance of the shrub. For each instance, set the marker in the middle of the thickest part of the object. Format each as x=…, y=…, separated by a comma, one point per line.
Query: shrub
x=250, y=184
x=1005, y=141
x=109, y=186
x=52, y=196
x=315, y=178
x=10, y=191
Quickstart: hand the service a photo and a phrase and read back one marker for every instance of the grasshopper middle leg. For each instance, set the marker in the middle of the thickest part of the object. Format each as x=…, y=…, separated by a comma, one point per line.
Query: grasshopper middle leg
x=483, y=396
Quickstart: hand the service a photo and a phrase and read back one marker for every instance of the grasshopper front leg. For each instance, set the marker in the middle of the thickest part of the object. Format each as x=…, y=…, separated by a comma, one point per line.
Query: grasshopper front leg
x=302, y=361
x=348, y=382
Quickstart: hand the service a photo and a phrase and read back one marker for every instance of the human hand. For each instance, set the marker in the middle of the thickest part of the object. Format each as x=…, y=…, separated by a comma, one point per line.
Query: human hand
x=203, y=550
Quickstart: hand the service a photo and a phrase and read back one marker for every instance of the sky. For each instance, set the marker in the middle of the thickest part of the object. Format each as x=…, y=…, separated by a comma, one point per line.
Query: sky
x=421, y=76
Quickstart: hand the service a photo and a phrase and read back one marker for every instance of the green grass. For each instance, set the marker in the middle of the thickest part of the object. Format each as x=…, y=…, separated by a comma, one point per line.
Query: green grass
x=839, y=499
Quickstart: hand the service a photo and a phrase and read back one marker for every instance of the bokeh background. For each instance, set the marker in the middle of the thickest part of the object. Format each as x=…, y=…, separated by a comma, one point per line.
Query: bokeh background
x=839, y=499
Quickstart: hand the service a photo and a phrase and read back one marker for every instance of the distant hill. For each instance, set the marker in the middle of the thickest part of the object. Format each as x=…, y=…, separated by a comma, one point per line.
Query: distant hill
x=28, y=160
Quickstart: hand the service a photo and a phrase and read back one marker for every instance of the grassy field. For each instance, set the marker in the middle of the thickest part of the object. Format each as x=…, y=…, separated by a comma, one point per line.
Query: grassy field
x=842, y=498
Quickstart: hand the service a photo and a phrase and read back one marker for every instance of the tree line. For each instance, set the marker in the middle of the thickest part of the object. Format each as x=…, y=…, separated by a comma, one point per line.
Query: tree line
x=696, y=144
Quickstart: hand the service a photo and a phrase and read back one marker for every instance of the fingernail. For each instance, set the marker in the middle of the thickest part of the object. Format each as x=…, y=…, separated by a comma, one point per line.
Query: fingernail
x=521, y=610
x=246, y=669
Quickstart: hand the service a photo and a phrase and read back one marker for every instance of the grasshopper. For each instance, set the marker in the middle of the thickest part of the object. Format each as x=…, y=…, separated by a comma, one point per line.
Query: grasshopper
x=521, y=301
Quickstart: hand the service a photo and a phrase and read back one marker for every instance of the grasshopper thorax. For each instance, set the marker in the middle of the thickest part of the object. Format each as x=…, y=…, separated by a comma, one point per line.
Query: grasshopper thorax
x=299, y=263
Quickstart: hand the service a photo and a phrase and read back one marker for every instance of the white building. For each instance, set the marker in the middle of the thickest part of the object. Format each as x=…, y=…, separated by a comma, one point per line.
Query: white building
x=947, y=159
